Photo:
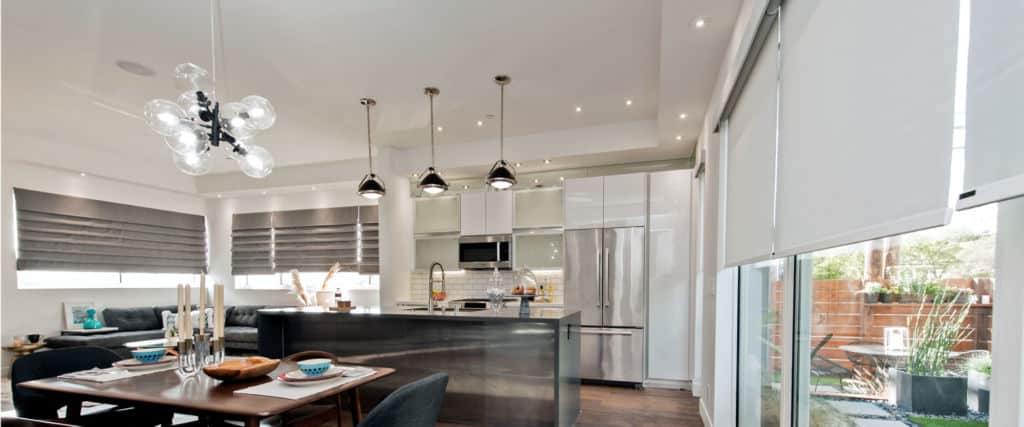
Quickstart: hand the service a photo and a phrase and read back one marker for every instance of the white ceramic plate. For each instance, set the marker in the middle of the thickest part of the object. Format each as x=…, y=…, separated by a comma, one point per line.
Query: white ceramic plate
x=135, y=365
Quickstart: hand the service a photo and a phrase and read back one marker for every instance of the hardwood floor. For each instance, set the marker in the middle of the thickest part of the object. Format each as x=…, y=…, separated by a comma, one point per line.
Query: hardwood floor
x=626, y=407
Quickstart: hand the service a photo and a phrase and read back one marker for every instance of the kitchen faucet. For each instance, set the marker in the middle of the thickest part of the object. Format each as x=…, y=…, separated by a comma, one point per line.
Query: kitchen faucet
x=430, y=286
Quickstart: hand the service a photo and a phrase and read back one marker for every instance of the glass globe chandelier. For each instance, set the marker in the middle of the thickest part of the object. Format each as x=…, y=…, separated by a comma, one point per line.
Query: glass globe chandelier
x=502, y=175
x=196, y=123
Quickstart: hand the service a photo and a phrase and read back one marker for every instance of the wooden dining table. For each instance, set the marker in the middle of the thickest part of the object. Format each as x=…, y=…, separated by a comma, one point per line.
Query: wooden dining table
x=199, y=395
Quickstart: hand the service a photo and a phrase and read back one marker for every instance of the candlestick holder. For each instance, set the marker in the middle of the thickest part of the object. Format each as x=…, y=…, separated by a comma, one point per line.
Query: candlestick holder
x=216, y=351
x=187, y=357
x=202, y=347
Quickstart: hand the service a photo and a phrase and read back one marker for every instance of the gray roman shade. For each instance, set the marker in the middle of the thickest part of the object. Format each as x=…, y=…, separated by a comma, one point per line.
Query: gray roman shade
x=369, y=256
x=314, y=239
x=252, y=243
x=57, y=232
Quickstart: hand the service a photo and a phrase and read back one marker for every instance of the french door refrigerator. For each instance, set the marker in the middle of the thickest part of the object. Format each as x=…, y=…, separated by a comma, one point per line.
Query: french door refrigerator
x=604, y=279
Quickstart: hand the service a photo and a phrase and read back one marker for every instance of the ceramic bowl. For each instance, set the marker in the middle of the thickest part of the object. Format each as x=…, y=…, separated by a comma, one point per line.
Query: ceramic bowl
x=314, y=367
x=149, y=355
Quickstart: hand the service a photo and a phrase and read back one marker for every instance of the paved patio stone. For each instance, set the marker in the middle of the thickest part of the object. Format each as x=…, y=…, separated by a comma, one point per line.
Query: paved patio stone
x=859, y=409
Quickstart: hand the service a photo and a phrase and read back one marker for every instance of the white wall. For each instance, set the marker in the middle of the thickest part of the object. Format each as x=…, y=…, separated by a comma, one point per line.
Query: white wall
x=1007, y=383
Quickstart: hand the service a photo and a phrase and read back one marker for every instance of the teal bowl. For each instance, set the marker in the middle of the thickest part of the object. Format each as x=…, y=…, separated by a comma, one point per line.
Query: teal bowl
x=149, y=355
x=314, y=367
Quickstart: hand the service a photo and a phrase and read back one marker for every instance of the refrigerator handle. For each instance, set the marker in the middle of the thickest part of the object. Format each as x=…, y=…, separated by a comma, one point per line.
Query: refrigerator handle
x=600, y=287
x=606, y=296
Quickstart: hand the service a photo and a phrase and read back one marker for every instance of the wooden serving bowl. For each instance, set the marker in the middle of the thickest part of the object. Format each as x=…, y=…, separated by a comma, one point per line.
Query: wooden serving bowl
x=241, y=369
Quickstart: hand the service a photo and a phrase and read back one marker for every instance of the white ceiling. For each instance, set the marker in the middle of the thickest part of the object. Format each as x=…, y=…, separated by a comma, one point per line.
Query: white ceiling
x=315, y=59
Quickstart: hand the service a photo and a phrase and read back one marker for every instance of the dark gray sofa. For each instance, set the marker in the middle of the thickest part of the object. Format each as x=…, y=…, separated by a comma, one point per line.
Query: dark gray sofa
x=143, y=323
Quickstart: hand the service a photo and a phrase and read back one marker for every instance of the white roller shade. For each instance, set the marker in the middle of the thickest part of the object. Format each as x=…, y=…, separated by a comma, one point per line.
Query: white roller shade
x=994, y=164
x=866, y=128
x=750, y=168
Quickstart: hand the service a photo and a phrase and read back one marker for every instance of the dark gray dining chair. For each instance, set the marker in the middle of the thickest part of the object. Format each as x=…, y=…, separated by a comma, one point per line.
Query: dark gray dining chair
x=416, y=404
x=46, y=364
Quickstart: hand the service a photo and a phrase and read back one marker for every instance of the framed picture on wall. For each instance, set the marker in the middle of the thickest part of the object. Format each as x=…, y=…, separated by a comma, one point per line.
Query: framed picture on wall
x=75, y=314
x=896, y=338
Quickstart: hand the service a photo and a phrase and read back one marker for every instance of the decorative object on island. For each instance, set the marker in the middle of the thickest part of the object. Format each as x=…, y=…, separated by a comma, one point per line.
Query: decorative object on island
x=926, y=385
x=432, y=183
x=197, y=122
x=502, y=175
x=370, y=187
x=496, y=297
x=76, y=313
x=300, y=291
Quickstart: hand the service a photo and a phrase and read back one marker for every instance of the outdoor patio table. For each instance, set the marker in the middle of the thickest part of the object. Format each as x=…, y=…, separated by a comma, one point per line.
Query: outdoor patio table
x=197, y=395
x=882, y=356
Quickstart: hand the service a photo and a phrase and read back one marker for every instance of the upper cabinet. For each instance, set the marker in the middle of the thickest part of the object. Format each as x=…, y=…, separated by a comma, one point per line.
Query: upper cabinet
x=625, y=200
x=538, y=208
x=472, y=211
x=499, y=212
x=483, y=213
x=606, y=201
x=437, y=215
x=584, y=203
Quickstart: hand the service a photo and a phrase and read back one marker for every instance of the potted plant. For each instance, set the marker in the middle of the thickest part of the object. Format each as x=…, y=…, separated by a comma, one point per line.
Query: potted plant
x=925, y=386
x=913, y=291
x=979, y=370
x=871, y=292
x=965, y=296
x=885, y=295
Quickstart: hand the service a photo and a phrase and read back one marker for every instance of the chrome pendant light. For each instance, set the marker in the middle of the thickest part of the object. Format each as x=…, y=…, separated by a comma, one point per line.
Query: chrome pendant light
x=502, y=175
x=432, y=182
x=370, y=187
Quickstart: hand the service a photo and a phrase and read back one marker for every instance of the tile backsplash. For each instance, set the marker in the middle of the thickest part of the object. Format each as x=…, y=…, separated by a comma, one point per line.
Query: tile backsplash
x=474, y=284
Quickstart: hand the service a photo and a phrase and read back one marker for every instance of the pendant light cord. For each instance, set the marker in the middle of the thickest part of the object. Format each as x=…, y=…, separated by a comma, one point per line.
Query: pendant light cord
x=214, y=9
x=369, y=149
x=501, y=121
x=431, y=129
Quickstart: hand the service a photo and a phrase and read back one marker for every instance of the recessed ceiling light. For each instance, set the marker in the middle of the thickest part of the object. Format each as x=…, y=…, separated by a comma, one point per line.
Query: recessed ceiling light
x=465, y=186
x=312, y=187
x=440, y=128
x=518, y=164
x=81, y=174
x=536, y=181
x=547, y=161
x=682, y=116
x=479, y=123
x=220, y=196
x=679, y=137
x=700, y=23
x=561, y=178
x=629, y=102
x=263, y=193
x=134, y=68
x=579, y=109
x=415, y=175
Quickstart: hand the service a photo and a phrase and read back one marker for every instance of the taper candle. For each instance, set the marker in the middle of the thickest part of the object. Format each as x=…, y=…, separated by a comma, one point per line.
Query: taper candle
x=202, y=302
x=218, y=310
x=187, y=329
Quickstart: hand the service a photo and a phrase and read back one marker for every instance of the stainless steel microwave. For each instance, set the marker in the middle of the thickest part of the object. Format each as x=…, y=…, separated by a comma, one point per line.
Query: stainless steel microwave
x=485, y=252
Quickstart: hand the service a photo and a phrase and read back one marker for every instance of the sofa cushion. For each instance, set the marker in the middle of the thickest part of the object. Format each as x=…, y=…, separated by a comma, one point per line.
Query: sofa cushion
x=240, y=334
x=109, y=340
x=171, y=308
x=132, y=319
x=241, y=315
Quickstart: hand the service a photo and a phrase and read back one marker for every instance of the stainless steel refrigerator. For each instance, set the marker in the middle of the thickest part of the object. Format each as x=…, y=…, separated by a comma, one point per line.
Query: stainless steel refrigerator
x=604, y=279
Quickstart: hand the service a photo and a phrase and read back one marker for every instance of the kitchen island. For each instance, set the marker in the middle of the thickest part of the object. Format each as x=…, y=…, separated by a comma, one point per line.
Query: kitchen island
x=505, y=368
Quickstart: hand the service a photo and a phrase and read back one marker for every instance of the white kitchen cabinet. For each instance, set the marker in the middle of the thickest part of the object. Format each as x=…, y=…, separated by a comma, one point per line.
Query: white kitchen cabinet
x=483, y=213
x=498, y=208
x=437, y=215
x=444, y=250
x=472, y=211
x=538, y=250
x=668, y=268
x=625, y=200
x=538, y=208
x=584, y=203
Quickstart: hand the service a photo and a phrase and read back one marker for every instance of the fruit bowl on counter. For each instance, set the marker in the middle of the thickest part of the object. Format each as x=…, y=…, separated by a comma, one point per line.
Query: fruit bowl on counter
x=241, y=369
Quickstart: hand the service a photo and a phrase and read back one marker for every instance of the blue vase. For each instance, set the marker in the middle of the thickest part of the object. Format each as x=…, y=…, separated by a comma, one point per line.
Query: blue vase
x=91, y=322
